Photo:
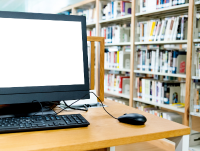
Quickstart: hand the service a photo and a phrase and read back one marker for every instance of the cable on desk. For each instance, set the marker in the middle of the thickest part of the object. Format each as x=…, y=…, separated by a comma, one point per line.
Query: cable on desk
x=69, y=106
x=103, y=106
x=74, y=108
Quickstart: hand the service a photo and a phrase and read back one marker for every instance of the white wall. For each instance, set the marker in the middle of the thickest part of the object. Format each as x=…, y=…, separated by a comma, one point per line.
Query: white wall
x=47, y=6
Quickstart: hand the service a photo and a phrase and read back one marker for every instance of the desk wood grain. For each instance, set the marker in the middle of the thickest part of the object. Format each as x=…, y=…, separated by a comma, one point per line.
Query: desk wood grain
x=102, y=132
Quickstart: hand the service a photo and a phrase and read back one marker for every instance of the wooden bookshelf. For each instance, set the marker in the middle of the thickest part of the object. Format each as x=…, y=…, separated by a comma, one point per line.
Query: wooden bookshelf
x=162, y=42
x=117, y=69
x=190, y=9
x=127, y=17
x=117, y=94
x=118, y=44
x=164, y=10
x=91, y=24
x=166, y=106
x=160, y=73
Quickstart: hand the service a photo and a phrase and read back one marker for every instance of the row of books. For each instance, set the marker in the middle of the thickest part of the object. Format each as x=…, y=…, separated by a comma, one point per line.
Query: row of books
x=168, y=29
x=116, y=9
x=152, y=5
x=161, y=60
x=160, y=92
x=117, y=99
x=91, y=31
x=117, y=83
x=115, y=34
x=160, y=113
x=196, y=103
x=197, y=29
x=89, y=13
x=197, y=62
x=116, y=59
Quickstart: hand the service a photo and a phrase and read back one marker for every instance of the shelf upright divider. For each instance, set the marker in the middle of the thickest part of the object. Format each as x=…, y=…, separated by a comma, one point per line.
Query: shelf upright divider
x=133, y=49
x=189, y=61
x=98, y=13
x=73, y=11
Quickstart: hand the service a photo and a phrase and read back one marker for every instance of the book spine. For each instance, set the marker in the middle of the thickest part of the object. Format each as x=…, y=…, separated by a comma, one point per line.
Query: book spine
x=147, y=61
x=157, y=60
x=120, y=84
x=157, y=91
x=143, y=89
x=160, y=61
x=197, y=63
x=150, y=56
x=112, y=10
x=143, y=60
x=162, y=95
x=166, y=61
x=117, y=59
x=169, y=61
x=182, y=28
x=157, y=4
x=163, y=63
x=150, y=94
x=138, y=87
x=174, y=55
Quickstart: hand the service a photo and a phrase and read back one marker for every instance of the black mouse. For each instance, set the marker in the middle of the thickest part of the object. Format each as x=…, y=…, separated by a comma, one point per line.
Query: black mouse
x=133, y=118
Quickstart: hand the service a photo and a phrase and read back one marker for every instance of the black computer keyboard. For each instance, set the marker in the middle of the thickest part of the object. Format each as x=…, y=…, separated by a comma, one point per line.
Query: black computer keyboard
x=46, y=122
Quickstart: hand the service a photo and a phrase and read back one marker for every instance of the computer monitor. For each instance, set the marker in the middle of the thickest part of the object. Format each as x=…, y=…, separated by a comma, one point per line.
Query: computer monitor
x=43, y=57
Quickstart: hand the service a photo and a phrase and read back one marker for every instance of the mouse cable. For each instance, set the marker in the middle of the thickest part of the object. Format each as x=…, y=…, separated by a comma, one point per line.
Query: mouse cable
x=74, y=108
x=83, y=97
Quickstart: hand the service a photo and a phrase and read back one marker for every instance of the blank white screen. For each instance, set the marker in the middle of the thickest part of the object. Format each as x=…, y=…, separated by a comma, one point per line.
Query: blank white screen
x=40, y=53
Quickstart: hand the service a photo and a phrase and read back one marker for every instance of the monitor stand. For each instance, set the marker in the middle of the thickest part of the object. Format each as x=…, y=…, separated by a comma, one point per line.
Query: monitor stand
x=25, y=109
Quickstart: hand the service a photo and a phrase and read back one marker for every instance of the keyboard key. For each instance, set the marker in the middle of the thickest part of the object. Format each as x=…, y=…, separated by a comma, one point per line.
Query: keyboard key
x=52, y=118
x=41, y=125
x=84, y=121
x=34, y=125
x=61, y=123
x=58, y=118
x=28, y=125
x=55, y=123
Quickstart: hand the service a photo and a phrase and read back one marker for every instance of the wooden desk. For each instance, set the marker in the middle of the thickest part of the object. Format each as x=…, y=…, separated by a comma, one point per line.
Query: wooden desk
x=103, y=132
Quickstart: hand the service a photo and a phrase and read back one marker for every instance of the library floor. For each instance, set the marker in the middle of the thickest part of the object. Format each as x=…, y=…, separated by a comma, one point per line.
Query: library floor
x=155, y=145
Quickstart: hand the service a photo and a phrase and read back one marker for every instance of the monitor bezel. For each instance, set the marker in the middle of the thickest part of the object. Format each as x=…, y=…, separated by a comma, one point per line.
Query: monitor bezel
x=58, y=88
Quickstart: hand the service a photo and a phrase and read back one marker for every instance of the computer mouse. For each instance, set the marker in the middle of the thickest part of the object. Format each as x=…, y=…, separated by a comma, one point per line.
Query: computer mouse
x=133, y=118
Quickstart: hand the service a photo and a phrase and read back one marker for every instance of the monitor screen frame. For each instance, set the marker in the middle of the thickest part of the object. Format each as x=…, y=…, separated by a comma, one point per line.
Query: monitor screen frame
x=51, y=89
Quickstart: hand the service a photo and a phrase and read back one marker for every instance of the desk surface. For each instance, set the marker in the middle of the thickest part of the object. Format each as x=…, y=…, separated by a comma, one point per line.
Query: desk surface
x=103, y=131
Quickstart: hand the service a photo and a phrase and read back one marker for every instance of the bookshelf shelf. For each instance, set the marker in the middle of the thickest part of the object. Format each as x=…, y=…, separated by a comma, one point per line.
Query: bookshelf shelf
x=161, y=105
x=195, y=148
x=162, y=42
x=196, y=40
x=158, y=73
x=195, y=114
x=117, y=69
x=197, y=3
x=91, y=24
x=127, y=17
x=164, y=10
x=195, y=78
x=117, y=94
x=119, y=44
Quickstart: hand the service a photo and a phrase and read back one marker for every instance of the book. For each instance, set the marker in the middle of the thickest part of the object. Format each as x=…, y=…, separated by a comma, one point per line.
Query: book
x=152, y=5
